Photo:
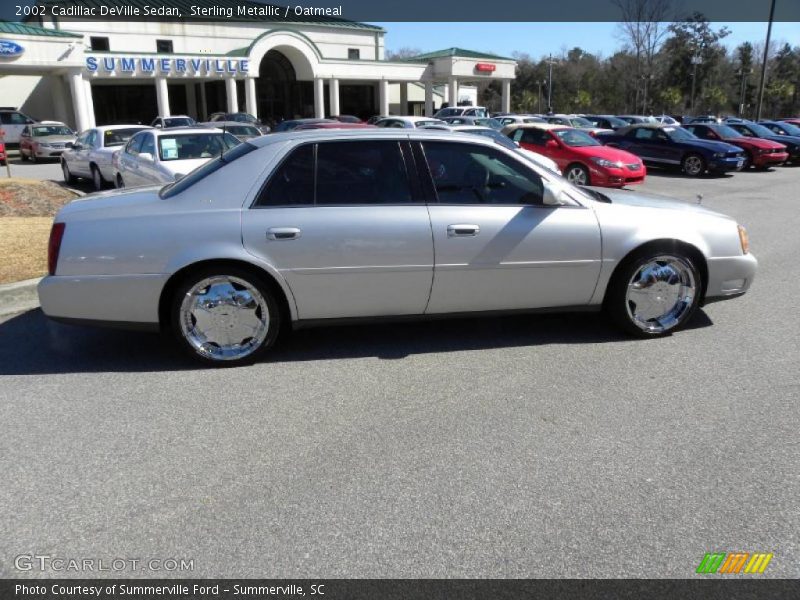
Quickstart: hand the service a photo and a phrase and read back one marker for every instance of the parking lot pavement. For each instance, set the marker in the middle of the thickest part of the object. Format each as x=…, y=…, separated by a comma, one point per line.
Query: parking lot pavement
x=539, y=446
x=44, y=169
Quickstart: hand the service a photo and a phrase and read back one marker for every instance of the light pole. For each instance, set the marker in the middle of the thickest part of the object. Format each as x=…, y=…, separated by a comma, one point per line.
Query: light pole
x=743, y=74
x=696, y=60
x=764, y=62
x=539, y=102
x=550, y=62
x=646, y=79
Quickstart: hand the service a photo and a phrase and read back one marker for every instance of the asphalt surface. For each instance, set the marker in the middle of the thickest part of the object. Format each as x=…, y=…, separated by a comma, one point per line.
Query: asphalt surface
x=539, y=446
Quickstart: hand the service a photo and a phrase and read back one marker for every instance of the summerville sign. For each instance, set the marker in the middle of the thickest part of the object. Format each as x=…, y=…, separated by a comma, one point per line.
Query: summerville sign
x=144, y=64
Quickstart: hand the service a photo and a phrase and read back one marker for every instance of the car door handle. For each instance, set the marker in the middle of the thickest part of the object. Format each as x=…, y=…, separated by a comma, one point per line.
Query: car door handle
x=283, y=233
x=463, y=230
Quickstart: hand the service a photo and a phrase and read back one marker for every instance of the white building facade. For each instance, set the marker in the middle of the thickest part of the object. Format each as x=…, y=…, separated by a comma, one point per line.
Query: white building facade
x=91, y=72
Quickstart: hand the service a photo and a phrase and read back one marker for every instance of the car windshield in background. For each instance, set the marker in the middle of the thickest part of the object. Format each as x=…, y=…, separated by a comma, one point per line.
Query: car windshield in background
x=432, y=122
x=243, y=118
x=575, y=138
x=615, y=122
x=242, y=130
x=45, y=130
x=178, y=122
x=194, y=145
x=727, y=132
x=205, y=170
x=498, y=137
x=679, y=134
x=118, y=137
x=791, y=129
x=760, y=130
x=580, y=122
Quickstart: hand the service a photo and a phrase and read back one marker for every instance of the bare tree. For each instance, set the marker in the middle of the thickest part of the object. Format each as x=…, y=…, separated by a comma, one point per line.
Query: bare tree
x=402, y=53
x=643, y=28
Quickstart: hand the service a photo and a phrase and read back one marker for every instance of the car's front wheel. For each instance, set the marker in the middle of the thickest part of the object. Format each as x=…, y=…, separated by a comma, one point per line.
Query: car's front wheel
x=577, y=174
x=97, y=178
x=224, y=316
x=68, y=176
x=654, y=293
x=693, y=165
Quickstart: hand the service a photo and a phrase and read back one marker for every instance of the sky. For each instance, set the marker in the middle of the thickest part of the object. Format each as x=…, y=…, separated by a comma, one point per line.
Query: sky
x=538, y=39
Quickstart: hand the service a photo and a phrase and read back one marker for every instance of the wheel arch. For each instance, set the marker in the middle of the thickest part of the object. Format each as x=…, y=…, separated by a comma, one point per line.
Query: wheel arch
x=667, y=245
x=282, y=295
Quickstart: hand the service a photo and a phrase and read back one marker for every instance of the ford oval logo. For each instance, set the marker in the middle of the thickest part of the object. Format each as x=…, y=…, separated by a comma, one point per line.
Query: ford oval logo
x=9, y=49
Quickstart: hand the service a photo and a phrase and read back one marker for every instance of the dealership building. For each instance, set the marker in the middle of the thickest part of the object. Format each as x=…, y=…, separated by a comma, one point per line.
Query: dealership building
x=88, y=72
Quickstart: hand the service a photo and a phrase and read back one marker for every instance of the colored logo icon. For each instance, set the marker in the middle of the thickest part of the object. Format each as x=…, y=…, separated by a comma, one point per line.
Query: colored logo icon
x=734, y=562
x=9, y=49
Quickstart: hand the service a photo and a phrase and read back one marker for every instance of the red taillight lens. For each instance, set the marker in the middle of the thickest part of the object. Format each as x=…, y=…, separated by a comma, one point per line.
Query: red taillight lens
x=54, y=246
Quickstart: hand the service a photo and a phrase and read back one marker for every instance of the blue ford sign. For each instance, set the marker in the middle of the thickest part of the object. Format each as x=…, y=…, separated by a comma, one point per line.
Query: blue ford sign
x=9, y=49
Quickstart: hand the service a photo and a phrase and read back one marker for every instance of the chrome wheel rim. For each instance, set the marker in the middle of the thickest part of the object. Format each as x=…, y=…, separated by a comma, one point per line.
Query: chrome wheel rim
x=577, y=175
x=224, y=318
x=660, y=293
x=693, y=165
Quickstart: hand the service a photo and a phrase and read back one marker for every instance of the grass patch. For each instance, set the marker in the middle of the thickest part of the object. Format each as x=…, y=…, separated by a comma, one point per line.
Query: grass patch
x=27, y=208
x=23, y=247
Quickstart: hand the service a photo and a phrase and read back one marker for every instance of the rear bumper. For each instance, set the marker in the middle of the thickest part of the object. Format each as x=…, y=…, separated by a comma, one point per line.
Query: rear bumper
x=730, y=276
x=103, y=298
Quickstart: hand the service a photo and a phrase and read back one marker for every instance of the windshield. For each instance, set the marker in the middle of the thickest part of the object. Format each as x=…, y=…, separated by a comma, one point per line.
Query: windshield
x=679, y=134
x=242, y=130
x=118, y=137
x=760, y=130
x=46, y=130
x=178, y=122
x=727, y=131
x=205, y=170
x=489, y=122
x=790, y=129
x=580, y=122
x=243, y=118
x=575, y=138
x=194, y=145
x=432, y=122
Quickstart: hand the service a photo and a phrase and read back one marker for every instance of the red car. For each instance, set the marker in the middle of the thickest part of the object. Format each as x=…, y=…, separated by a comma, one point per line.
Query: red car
x=792, y=120
x=2, y=154
x=582, y=159
x=759, y=153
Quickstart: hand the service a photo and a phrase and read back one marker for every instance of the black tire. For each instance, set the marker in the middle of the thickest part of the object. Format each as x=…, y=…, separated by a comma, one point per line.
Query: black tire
x=694, y=165
x=580, y=172
x=617, y=305
x=748, y=160
x=22, y=156
x=275, y=318
x=119, y=182
x=97, y=178
x=68, y=176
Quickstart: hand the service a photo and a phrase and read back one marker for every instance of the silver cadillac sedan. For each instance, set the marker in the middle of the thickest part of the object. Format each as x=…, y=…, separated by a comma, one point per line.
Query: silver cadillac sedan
x=321, y=226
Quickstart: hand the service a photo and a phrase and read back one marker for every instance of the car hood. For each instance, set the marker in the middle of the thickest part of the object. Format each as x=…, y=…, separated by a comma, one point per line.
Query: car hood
x=49, y=139
x=633, y=198
x=607, y=152
x=753, y=142
x=709, y=145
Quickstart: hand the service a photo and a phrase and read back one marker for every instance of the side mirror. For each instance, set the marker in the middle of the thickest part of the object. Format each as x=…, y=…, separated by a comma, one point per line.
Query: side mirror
x=157, y=125
x=553, y=195
x=146, y=156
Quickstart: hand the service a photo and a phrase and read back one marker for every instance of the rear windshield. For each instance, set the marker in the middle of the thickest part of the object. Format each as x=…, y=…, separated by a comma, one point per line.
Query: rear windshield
x=194, y=145
x=45, y=130
x=118, y=137
x=205, y=170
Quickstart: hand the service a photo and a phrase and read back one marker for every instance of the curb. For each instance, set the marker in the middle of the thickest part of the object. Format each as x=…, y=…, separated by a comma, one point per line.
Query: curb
x=18, y=297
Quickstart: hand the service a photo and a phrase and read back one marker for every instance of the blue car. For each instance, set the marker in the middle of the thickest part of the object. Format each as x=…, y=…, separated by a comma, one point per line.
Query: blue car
x=674, y=146
x=768, y=130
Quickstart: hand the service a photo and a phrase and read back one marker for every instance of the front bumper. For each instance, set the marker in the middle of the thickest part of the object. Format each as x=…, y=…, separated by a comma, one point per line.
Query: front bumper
x=773, y=158
x=730, y=276
x=604, y=177
x=49, y=152
x=725, y=164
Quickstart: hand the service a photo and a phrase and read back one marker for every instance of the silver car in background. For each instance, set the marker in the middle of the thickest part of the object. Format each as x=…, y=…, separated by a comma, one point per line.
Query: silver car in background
x=314, y=227
x=90, y=156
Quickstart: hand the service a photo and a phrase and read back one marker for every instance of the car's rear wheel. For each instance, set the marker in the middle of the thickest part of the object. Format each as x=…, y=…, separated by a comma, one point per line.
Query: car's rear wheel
x=120, y=182
x=577, y=174
x=97, y=178
x=224, y=316
x=68, y=176
x=654, y=293
x=693, y=165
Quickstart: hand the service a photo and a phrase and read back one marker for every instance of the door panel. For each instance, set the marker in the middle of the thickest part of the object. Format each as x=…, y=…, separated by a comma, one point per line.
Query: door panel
x=522, y=257
x=347, y=261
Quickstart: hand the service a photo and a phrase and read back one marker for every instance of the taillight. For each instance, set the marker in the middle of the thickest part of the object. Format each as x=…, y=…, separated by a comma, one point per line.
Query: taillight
x=54, y=246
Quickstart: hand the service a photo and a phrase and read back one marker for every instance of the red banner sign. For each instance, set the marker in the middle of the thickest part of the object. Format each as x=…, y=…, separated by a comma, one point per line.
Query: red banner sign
x=485, y=67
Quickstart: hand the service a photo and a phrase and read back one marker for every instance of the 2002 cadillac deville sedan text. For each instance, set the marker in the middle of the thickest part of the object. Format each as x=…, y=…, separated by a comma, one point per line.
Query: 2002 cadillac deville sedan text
x=319, y=226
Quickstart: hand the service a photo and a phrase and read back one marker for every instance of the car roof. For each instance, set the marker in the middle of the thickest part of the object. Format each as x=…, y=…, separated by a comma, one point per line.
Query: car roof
x=221, y=124
x=544, y=126
x=184, y=130
x=114, y=127
x=378, y=133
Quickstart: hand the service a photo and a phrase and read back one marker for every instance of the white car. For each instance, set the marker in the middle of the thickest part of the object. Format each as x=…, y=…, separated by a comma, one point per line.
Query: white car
x=12, y=122
x=577, y=122
x=90, y=156
x=173, y=121
x=507, y=142
x=159, y=156
x=511, y=119
x=408, y=122
x=462, y=111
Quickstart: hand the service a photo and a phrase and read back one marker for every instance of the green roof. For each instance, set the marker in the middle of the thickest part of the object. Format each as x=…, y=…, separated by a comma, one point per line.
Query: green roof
x=184, y=7
x=25, y=29
x=460, y=52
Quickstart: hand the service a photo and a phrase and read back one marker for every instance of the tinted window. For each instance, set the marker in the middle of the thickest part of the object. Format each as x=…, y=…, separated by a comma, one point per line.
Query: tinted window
x=135, y=144
x=196, y=145
x=537, y=137
x=13, y=118
x=644, y=134
x=117, y=137
x=293, y=182
x=576, y=138
x=468, y=174
x=148, y=146
x=164, y=46
x=205, y=170
x=361, y=173
x=99, y=43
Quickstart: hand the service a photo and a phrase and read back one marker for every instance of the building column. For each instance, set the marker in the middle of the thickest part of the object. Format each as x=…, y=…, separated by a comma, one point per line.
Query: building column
x=403, y=97
x=453, y=92
x=78, y=100
x=383, y=97
x=250, y=103
x=505, y=99
x=203, y=102
x=319, y=98
x=162, y=96
x=428, y=98
x=191, y=101
x=333, y=91
x=59, y=99
x=230, y=93
x=87, y=89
